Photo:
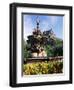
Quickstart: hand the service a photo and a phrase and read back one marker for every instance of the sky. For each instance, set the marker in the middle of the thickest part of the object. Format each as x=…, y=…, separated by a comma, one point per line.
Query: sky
x=46, y=23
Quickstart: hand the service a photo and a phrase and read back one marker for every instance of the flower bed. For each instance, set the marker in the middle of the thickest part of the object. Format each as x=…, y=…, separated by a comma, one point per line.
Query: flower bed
x=38, y=68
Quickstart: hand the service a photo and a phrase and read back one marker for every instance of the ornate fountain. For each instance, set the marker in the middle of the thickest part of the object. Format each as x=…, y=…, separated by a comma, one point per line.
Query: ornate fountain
x=37, y=42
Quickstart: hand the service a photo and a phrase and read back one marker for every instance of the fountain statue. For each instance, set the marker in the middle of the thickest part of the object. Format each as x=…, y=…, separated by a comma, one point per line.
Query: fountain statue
x=37, y=41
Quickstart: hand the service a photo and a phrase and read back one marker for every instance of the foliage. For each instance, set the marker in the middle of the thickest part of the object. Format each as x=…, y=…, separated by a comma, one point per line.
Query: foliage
x=43, y=68
x=56, y=50
x=26, y=51
x=59, y=42
x=49, y=50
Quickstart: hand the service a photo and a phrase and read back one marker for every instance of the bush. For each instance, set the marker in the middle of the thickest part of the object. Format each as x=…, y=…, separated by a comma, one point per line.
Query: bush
x=42, y=68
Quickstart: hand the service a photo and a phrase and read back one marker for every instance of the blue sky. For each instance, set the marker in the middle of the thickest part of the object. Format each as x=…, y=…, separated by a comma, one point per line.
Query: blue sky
x=46, y=23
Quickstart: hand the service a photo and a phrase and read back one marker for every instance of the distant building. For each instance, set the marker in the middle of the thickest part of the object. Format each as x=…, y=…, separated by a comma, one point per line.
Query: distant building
x=51, y=36
x=49, y=33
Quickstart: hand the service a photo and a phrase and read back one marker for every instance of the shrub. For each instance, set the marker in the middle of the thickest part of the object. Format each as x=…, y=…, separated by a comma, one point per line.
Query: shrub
x=42, y=68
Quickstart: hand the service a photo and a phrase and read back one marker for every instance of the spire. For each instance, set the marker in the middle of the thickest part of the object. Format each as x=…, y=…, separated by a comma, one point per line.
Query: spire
x=37, y=22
